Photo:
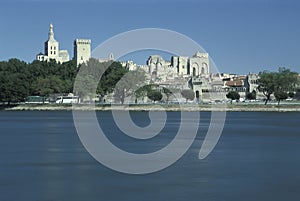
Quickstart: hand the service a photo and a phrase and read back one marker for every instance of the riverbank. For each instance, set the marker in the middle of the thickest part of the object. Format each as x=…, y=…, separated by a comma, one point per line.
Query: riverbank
x=240, y=107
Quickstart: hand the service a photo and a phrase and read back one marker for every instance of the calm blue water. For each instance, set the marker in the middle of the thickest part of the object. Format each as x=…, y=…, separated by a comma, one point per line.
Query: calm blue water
x=257, y=158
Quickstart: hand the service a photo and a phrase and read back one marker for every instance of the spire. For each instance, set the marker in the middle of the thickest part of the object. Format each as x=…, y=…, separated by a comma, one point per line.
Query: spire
x=51, y=33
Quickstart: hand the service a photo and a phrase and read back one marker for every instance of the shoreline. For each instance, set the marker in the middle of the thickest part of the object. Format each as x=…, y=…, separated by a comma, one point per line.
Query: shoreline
x=160, y=107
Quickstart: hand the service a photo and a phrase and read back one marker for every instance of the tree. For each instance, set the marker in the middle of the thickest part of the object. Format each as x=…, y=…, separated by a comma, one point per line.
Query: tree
x=47, y=86
x=287, y=80
x=112, y=75
x=233, y=95
x=282, y=81
x=267, y=84
x=252, y=95
x=128, y=84
x=280, y=95
x=14, y=85
x=19, y=79
x=103, y=78
x=297, y=94
x=154, y=95
x=168, y=93
x=188, y=94
x=142, y=91
x=291, y=94
x=85, y=86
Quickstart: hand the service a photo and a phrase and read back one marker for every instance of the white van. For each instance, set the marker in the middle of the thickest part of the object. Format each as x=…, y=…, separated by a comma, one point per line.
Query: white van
x=67, y=99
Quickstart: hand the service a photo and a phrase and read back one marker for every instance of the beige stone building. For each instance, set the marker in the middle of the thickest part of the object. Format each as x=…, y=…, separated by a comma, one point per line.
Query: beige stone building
x=82, y=50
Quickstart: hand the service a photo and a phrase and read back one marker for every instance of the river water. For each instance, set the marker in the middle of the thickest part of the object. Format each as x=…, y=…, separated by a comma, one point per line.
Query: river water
x=256, y=158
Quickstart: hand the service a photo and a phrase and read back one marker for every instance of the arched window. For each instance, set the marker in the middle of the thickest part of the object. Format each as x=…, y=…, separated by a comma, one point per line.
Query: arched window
x=204, y=69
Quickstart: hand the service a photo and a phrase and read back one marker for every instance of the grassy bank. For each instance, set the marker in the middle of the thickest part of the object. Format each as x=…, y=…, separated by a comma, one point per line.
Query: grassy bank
x=159, y=107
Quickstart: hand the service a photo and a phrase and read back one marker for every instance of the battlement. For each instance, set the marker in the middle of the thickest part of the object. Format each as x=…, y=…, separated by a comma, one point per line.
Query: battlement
x=201, y=55
x=82, y=42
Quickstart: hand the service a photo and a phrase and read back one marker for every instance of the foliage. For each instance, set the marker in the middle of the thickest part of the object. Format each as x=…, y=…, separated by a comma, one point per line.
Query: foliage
x=167, y=92
x=128, y=84
x=188, y=94
x=267, y=84
x=143, y=91
x=112, y=75
x=297, y=94
x=252, y=95
x=280, y=95
x=154, y=95
x=291, y=94
x=14, y=84
x=19, y=79
x=282, y=81
x=233, y=95
x=85, y=86
x=47, y=86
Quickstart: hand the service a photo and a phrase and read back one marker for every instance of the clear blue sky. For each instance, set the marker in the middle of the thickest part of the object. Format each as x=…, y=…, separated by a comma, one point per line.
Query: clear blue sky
x=240, y=35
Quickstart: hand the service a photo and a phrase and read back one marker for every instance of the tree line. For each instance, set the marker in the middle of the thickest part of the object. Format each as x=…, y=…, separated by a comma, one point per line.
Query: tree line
x=19, y=79
x=281, y=84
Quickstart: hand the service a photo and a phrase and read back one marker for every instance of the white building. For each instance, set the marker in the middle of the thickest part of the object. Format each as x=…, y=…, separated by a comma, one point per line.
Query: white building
x=52, y=50
x=197, y=65
x=82, y=50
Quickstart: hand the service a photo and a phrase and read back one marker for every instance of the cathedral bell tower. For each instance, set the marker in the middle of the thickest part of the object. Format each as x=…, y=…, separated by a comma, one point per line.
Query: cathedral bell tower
x=51, y=45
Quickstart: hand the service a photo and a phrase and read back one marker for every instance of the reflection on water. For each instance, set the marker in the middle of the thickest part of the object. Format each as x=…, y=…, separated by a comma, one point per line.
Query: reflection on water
x=41, y=158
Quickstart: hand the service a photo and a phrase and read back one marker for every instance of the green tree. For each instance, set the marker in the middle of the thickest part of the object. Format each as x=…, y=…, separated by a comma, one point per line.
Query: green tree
x=287, y=80
x=128, y=84
x=168, y=93
x=19, y=79
x=280, y=95
x=297, y=94
x=252, y=95
x=282, y=81
x=154, y=95
x=110, y=77
x=267, y=83
x=85, y=86
x=188, y=94
x=13, y=81
x=142, y=92
x=47, y=86
x=291, y=94
x=233, y=95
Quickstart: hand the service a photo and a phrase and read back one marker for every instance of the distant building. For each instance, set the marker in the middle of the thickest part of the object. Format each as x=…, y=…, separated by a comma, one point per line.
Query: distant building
x=251, y=82
x=197, y=65
x=82, y=50
x=52, y=50
x=159, y=69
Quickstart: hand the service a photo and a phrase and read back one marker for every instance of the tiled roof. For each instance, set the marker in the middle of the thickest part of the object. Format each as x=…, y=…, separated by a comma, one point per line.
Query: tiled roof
x=234, y=83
